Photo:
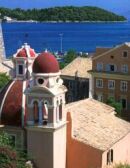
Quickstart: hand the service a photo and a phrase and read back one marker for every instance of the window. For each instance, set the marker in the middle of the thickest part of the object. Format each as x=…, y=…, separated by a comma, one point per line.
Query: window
x=123, y=86
x=40, y=81
x=108, y=160
x=45, y=111
x=35, y=111
x=100, y=97
x=99, y=83
x=124, y=68
x=20, y=69
x=110, y=157
x=111, y=68
x=112, y=56
x=99, y=66
x=70, y=84
x=124, y=103
x=111, y=84
x=125, y=54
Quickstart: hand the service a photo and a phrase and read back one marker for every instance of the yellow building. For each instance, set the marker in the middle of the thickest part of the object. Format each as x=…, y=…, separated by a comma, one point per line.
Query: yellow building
x=110, y=76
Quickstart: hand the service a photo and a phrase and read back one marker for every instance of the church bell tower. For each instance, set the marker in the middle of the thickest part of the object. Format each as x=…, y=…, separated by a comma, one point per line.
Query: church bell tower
x=46, y=119
x=23, y=61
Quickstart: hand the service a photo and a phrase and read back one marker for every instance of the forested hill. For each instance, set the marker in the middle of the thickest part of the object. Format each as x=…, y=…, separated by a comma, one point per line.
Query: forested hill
x=68, y=13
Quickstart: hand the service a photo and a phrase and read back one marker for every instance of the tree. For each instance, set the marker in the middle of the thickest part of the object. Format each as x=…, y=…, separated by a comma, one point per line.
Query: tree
x=66, y=13
x=71, y=55
x=10, y=157
x=62, y=65
x=4, y=79
x=116, y=105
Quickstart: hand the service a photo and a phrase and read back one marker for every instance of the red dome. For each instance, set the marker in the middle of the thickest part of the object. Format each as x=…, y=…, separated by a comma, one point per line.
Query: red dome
x=45, y=63
x=11, y=112
x=23, y=53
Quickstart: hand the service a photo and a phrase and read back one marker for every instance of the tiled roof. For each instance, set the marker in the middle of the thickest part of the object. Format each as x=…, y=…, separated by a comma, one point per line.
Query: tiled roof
x=102, y=51
x=79, y=66
x=11, y=110
x=95, y=124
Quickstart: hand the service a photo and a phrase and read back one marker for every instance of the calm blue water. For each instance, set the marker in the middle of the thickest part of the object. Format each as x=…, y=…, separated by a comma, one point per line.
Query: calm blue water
x=79, y=36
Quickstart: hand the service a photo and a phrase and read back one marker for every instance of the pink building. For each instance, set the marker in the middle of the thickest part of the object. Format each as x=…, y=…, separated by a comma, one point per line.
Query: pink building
x=83, y=134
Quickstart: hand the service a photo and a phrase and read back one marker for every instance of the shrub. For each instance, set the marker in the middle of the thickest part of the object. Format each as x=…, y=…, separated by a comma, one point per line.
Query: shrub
x=122, y=166
x=116, y=105
x=10, y=157
x=4, y=79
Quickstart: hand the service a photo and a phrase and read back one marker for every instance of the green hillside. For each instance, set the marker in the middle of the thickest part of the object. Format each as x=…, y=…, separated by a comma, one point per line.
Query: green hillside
x=68, y=13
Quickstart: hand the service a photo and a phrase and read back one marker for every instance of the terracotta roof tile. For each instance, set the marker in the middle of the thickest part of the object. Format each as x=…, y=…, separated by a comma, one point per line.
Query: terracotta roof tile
x=6, y=67
x=80, y=65
x=12, y=109
x=95, y=124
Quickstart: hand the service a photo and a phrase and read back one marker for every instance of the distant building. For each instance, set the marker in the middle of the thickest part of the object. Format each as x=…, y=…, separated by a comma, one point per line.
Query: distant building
x=110, y=76
x=76, y=79
x=82, y=134
x=8, y=19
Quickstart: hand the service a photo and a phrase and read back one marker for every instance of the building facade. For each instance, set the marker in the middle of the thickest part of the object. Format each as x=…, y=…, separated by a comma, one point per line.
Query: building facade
x=76, y=79
x=110, y=76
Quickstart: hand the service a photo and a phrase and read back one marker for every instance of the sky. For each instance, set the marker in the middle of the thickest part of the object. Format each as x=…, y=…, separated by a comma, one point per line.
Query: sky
x=118, y=6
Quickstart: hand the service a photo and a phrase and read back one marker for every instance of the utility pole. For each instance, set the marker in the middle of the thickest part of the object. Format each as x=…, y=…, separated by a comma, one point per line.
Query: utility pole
x=61, y=42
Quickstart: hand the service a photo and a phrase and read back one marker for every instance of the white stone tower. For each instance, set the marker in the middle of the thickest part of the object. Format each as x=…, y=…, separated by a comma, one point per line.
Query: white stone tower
x=46, y=119
x=2, y=48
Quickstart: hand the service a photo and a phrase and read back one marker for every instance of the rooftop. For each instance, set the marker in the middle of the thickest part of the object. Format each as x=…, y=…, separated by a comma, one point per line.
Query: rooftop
x=79, y=66
x=101, y=51
x=6, y=66
x=95, y=124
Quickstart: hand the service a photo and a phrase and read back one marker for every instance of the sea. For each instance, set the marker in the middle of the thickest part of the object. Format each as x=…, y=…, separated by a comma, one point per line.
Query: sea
x=82, y=37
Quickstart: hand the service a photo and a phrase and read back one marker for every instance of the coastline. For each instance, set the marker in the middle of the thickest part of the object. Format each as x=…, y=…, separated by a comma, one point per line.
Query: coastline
x=87, y=21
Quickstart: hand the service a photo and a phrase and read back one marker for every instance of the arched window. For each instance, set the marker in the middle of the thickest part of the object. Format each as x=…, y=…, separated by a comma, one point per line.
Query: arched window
x=20, y=69
x=35, y=111
x=45, y=112
x=108, y=158
x=112, y=155
x=60, y=110
x=57, y=111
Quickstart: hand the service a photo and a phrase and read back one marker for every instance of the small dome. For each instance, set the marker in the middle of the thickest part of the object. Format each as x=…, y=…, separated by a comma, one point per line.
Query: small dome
x=26, y=51
x=45, y=63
